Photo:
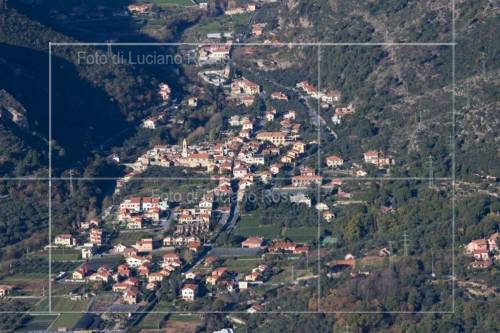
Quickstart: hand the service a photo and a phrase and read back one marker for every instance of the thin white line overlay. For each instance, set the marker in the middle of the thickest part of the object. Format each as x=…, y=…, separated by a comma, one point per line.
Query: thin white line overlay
x=318, y=305
x=453, y=154
x=258, y=44
x=50, y=178
x=139, y=178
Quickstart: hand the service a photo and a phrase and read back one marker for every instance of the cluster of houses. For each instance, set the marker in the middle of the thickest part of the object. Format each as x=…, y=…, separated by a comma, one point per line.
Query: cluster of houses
x=234, y=162
x=221, y=279
x=194, y=221
x=327, y=98
x=275, y=245
x=306, y=178
x=378, y=158
x=138, y=269
x=139, y=8
x=286, y=141
x=248, y=8
x=242, y=156
x=374, y=157
x=197, y=221
x=193, y=243
x=212, y=157
x=136, y=211
x=341, y=112
x=258, y=147
x=244, y=91
x=484, y=251
x=90, y=239
x=288, y=133
x=237, y=156
x=215, y=53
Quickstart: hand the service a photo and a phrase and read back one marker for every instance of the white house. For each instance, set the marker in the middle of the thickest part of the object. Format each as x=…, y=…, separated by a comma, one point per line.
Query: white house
x=136, y=261
x=65, y=240
x=189, y=291
x=334, y=161
x=88, y=251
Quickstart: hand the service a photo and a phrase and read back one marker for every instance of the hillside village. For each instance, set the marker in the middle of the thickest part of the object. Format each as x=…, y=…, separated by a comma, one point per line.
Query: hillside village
x=243, y=188
x=267, y=149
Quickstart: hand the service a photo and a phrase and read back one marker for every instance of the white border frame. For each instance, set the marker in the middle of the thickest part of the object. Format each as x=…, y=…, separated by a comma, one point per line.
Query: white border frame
x=318, y=45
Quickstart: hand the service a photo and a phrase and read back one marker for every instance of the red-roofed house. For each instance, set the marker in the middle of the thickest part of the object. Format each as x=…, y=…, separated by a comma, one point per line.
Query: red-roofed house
x=194, y=245
x=308, y=88
x=144, y=245
x=131, y=295
x=279, y=96
x=334, y=161
x=65, y=240
x=304, y=181
x=216, y=275
x=476, y=245
x=81, y=272
x=5, y=289
x=244, y=86
x=189, y=291
x=481, y=254
x=122, y=286
x=140, y=8
x=123, y=270
x=253, y=242
x=301, y=249
x=277, y=138
x=96, y=236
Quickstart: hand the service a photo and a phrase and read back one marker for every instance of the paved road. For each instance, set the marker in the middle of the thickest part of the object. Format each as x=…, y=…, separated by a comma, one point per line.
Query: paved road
x=248, y=30
x=228, y=224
